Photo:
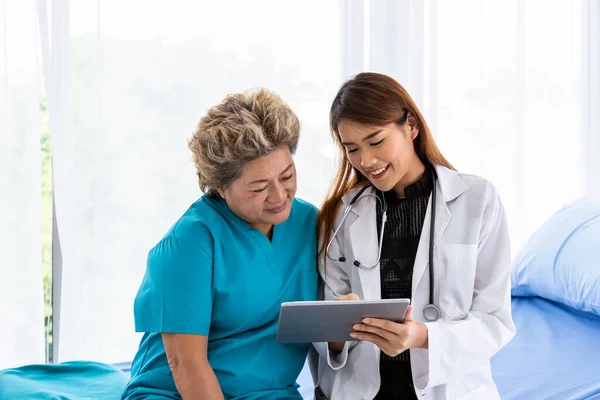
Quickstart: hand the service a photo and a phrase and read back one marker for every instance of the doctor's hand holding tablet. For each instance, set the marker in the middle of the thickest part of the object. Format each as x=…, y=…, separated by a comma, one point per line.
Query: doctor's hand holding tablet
x=355, y=319
x=392, y=337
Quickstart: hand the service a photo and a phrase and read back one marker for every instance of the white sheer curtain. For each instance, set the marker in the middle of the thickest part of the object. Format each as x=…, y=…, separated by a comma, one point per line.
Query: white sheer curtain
x=590, y=94
x=500, y=84
x=142, y=74
x=509, y=106
x=21, y=294
x=54, y=22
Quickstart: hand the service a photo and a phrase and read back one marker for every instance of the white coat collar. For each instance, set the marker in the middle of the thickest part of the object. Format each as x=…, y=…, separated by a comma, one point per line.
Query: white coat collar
x=363, y=229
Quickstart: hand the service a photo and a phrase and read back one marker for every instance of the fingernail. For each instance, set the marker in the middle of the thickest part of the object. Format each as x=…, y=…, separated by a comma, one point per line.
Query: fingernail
x=356, y=327
x=366, y=321
x=354, y=335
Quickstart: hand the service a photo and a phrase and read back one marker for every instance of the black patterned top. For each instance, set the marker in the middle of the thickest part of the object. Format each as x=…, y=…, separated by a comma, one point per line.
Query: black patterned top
x=403, y=228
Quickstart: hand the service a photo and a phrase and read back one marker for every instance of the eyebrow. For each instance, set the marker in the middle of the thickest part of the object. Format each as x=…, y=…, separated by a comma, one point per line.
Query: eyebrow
x=370, y=136
x=267, y=180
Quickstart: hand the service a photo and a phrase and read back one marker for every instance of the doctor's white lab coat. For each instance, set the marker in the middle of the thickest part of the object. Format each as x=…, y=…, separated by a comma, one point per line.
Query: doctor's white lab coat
x=471, y=289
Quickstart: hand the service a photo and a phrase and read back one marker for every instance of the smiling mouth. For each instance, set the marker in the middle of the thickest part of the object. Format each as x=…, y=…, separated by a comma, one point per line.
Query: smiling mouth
x=378, y=173
x=278, y=208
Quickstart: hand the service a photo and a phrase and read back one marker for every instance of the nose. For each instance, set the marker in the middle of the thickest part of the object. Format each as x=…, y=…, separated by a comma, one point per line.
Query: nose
x=277, y=194
x=367, y=159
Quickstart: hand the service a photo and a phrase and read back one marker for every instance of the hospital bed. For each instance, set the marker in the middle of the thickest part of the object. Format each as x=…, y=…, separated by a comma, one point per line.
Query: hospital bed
x=556, y=308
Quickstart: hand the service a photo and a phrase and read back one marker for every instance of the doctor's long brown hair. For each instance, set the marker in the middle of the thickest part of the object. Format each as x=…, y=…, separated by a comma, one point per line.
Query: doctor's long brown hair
x=370, y=99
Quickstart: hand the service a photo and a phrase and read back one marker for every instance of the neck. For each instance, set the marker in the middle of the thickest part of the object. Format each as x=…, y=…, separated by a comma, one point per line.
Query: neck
x=415, y=172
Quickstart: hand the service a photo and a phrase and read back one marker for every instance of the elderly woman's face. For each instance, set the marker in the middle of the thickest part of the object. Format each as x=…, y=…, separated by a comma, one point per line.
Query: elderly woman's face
x=262, y=195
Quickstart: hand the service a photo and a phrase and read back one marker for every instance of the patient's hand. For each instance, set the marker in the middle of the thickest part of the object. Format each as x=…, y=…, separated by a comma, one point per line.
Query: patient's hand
x=338, y=346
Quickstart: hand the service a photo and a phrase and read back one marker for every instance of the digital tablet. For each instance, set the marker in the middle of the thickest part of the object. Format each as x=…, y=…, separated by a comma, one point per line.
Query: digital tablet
x=332, y=321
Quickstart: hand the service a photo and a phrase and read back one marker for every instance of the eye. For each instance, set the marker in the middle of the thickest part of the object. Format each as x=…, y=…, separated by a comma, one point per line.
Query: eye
x=377, y=143
x=352, y=151
x=260, y=190
x=287, y=178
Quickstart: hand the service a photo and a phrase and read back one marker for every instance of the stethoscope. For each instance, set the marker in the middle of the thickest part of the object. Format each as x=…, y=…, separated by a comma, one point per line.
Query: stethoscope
x=430, y=312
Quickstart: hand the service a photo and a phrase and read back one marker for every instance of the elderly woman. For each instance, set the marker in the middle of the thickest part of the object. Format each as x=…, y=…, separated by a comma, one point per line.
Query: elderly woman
x=209, y=301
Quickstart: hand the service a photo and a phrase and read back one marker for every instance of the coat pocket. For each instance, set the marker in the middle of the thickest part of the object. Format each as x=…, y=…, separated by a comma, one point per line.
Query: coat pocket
x=456, y=274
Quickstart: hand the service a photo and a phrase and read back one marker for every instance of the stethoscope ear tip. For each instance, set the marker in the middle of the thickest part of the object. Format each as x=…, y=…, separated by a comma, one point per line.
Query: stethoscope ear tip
x=342, y=259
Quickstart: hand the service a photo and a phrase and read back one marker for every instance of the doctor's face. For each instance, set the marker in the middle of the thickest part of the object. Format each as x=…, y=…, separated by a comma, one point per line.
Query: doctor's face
x=383, y=154
x=263, y=194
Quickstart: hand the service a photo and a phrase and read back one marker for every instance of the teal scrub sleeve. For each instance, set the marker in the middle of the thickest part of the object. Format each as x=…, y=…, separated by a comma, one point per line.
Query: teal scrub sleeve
x=176, y=292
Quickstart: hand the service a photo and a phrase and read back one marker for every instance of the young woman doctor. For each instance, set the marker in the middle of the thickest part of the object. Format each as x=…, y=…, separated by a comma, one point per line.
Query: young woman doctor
x=400, y=222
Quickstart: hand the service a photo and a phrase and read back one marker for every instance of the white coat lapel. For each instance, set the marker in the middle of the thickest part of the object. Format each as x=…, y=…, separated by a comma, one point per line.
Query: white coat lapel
x=363, y=240
x=442, y=219
x=448, y=186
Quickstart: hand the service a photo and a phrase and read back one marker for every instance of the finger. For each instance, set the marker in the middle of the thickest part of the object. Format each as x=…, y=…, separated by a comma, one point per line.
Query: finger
x=385, y=324
x=375, y=330
x=369, y=337
x=349, y=296
x=408, y=316
x=378, y=341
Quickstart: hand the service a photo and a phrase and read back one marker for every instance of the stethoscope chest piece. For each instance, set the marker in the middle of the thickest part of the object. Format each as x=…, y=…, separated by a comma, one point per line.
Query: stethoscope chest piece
x=431, y=313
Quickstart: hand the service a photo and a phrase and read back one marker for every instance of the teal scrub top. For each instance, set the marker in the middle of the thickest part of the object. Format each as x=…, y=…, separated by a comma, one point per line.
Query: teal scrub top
x=213, y=274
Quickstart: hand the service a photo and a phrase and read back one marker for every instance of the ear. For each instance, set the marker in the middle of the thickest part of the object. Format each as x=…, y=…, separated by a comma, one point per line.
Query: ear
x=414, y=133
x=411, y=121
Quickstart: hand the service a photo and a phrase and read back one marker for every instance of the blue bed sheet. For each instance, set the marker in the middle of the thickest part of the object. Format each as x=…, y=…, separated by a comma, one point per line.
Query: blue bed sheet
x=74, y=380
x=555, y=354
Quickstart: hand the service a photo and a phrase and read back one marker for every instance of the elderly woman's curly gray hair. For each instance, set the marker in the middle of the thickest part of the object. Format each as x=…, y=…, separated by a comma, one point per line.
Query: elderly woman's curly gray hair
x=242, y=128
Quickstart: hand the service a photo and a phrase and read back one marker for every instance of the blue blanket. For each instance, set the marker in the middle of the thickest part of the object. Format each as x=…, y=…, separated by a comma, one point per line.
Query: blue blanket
x=75, y=380
x=553, y=356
